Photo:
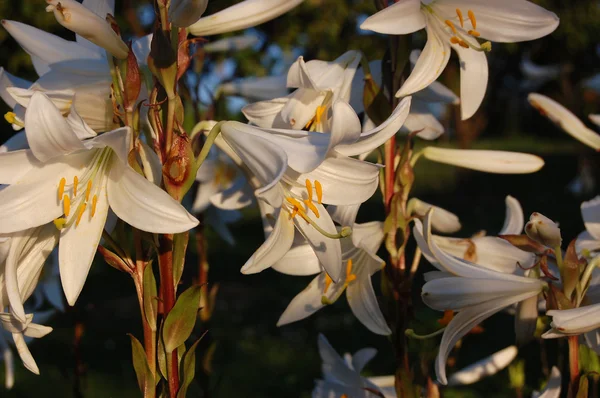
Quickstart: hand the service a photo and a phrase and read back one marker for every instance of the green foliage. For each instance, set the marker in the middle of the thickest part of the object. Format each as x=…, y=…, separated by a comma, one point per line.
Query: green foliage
x=181, y=319
x=144, y=375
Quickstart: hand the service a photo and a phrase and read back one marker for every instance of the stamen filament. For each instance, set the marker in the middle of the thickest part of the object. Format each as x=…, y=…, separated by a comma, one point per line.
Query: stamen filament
x=319, y=189
x=94, y=203
x=61, y=188
x=81, y=210
x=460, y=17
x=472, y=18
x=66, y=205
x=75, y=183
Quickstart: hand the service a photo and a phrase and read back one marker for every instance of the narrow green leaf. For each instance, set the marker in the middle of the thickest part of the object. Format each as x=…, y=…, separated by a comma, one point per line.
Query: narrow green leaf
x=180, y=242
x=162, y=359
x=582, y=392
x=150, y=297
x=142, y=369
x=187, y=369
x=182, y=318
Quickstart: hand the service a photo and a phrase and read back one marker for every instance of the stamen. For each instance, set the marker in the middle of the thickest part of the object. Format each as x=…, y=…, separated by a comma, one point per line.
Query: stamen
x=10, y=117
x=61, y=188
x=474, y=33
x=460, y=17
x=59, y=223
x=66, y=205
x=94, y=203
x=81, y=210
x=298, y=209
x=349, y=275
x=319, y=115
x=312, y=207
x=328, y=282
x=454, y=40
x=293, y=202
x=309, y=190
x=472, y=18
x=451, y=25
x=88, y=190
x=75, y=183
x=463, y=44
x=319, y=189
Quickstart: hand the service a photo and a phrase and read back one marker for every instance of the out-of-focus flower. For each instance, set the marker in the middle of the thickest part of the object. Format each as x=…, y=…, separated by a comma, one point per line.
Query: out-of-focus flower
x=484, y=368
x=552, y=389
x=235, y=43
x=590, y=238
x=240, y=16
x=458, y=25
x=256, y=88
x=183, y=13
x=536, y=75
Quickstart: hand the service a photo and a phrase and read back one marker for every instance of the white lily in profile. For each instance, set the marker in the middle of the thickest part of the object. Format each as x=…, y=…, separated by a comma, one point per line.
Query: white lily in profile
x=341, y=376
x=245, y=14
x=589, y=240
x=574, y=321
x=476, y=293
x=298, y=172
x=565, y=119
x=457, y=25
x=73, y=183
x=318, y=84
x=360, y=261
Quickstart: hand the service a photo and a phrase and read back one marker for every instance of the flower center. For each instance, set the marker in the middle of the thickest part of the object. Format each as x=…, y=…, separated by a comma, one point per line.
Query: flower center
x=301, y=208
x=350, y=277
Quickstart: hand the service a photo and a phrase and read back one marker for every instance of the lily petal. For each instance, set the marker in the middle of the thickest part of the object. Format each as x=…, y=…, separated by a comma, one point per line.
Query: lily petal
x=267, y=113
x=526, y=320
x=362, y=357
x=553, y=387
x=514, y=219
x=307, y=302
x=299, y=260
x=441, y=220
x=25, y=354
x=590, y=212
x=401, y=18
x=500, y=162
x=8, y=80
x=575, y=321
x=344, y=215
x=473, y=78
x=484, y=368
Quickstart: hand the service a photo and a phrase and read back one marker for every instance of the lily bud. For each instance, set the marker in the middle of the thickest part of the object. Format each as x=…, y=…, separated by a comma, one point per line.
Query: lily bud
x=179, y=171
x=183, y=13
x=75, y=17
x=543, y=230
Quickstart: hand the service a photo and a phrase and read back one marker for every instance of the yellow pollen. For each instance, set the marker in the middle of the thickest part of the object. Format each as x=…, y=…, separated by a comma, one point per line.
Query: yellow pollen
x=59, y=223
x=312, y=207
x=474, y=33
x=293, y=213
x=349, y=275
x=61, y=188
x=293, y=202
x=463, y=44
x=297, y=209
x=319, y=189
x=319, y=115
x=10, y=117
x=460, y=17
x=454, y=40
x=80, y=210
x=66, y=205
x=328, y=282
x=451, y=25
x=309, y=189
x=472, y=18
x=75, y=183
x=94, y=203
x=88, y=190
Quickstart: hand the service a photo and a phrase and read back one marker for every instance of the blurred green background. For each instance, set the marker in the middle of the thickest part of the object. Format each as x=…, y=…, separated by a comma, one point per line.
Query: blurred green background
x=246, y=355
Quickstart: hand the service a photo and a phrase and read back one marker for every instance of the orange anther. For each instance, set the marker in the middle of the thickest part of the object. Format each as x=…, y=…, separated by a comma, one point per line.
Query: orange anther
x=94, y=203
x=66, y=205
x=451, y=25
x=472, y=18
x=75, y=183
x=81, y=210
x=474, y=33
x=88, y=190
x=309, y=189
x=328, y=282
x=61, y=188
x=454, y=40
x=460, y=17
x=312, y=207
x=319, y=189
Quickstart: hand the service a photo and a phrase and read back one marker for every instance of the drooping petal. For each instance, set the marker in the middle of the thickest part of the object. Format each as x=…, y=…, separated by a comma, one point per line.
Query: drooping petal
x=501, y=162
x=441, y=220
x=307, y=302
x=401, y=18
x=484, y=368
x=590, y=212
x=7, y=80
x=526, y=320
x=514, y=219
x=362, y=357
x=553, y=387
x=508, y=22
x=48, y=133
x=143, y=205
x=421, y=119
x=334, y=367
x=565, y=119
x=274, y=248
x=25, y=354
x=473, y=78
x=243, y=15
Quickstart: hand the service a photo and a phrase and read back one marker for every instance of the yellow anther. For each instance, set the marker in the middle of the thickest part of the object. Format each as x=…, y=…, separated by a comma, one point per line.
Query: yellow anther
x=474, y=33
x=66, y=205
x=293, y=213
x=472, y=18
x=88, y=189
x=10, y=117
x=451, y=25
x=94, y=203
x=80, y=211
x=349, y=275
x=319, y=189
x=298, y=209
x=463, y=44
x=293, y=202
x=328, y=282
x=309, y=189
x=61, y=188
x=75, y=183
x=320, y=112
x=460, y=17
x=312, y=207
x=454, y=40
x=59, y=223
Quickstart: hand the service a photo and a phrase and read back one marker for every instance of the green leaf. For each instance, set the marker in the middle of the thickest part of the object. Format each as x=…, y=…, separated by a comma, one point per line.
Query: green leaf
x=150, y=297
x=180, y=242
x=583, y=392
x=181, y=319
x=142, y=369
x=162, y=359
x=187, y=370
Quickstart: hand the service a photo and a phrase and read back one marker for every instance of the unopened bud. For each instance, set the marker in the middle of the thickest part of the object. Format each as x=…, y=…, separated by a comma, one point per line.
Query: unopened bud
x=543, y=230
x=77, y=18
x=183, y=13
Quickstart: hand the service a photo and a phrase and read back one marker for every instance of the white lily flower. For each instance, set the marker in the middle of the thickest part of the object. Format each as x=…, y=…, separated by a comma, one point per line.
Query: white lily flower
x=342, y=375
x=20, y=329
x=543, y=230
x=484, y=368
x=235, y=43
x=256, y=88
x=574, y=321
x=442, y=220
x=318, y=85
x=73, y=184
x=590, y=238
x=300, y=171
x=553, y=387
x=565, y=119
x=457, y=25
x=245, y=14
x=500, y=162
x=360, y=261
x=183, y=13
x=475, y=292
x=79, y=19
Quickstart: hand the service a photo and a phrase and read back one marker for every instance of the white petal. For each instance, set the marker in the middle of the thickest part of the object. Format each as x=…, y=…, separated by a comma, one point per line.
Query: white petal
x=484, y=368
x=442, y=220
x=15, y=164
x=362, y=357
x=577, y=320
x=368, y=236
x=9, y=368
x=526, y=320
x=425, y=122
x=243, y=15
x=345, y=125
x=118, y=140
x=436, y=92
x=585, y=241
x=236, y=197
x=306, y=303
x=25, y=354
x=431, y=63
x=514, y=219
x=299, y=260
x=344, y=215
x=143, y=205
x=274, y=248
x=48, y=133
x=553, y=387
x=301, y=108
x=398, y=19
x=334, y=367
x=473, y=78
x=590, y=212
x=267, y=113
x=595, y=119
x=565, y=119
x=500, y=162
x=510, y=21
x=8, y=80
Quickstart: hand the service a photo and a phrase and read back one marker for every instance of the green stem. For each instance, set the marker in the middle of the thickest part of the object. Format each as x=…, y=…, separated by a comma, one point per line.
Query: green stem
x=411, y=333
x=208, y=143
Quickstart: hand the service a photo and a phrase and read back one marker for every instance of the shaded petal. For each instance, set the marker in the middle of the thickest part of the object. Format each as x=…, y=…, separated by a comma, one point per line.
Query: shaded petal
x=436, y=92
x=143, y=205
x=307, y=302
x=501, y=162
x=334, y=367
x=514, y=219
x=398, y=19
x=585, y=241
x=421, y=119
x=299, y=260
x=267, y=113
x=553, y=387
x=368, y=236
x=7, y=80
x=301, y=108
x=441, y=220
x=345, y=125
x=484, y=368
x=344, y=215
x=526, y=320
x=575, y=321
x=25, y=354
x=590, y=212
x=236, y=197
x=473, y=78
x=362, y=357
